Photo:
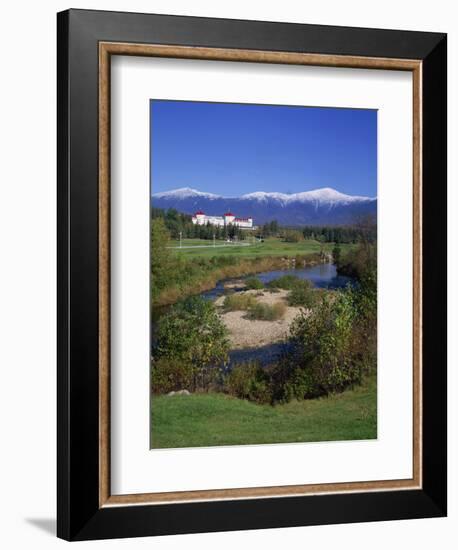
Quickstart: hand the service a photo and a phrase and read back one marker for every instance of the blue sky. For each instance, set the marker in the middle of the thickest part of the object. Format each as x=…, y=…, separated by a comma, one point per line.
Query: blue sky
x=231, y=149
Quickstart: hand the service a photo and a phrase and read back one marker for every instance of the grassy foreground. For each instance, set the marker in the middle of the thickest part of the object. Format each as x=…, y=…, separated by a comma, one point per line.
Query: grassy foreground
x=205, y=420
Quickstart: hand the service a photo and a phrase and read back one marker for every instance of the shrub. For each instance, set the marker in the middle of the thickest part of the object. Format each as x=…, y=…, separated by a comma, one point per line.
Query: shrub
x=290, y=381
x=239, y=302
x=293, y=236
x=302, y=294
x=254, y=283
x=193, y=334
x=365, y=327
x=222, y=261
x=358, y=262
x=325, y=340
x=171, y=375
x=160, y=256
x=331, y=347
x=248, y=381
x=301, y=290
x=286, y=282
x=266, y=312
x=336, y=253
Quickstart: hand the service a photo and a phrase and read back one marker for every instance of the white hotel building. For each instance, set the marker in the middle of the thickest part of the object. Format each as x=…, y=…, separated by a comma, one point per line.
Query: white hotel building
x=200, y=218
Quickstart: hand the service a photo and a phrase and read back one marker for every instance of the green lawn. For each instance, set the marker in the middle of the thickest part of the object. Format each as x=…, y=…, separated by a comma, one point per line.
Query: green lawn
x=194, y=242
x=270, y=247
x=215, y=419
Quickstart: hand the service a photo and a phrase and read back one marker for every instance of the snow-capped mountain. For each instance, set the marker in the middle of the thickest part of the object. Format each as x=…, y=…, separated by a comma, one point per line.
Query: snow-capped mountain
x=325, y=195
x=324, y=206
x=184, y=193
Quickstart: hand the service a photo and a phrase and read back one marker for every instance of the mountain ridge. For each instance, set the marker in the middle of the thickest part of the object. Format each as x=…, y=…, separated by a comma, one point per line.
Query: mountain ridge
x=321, y=193
x=322, y=206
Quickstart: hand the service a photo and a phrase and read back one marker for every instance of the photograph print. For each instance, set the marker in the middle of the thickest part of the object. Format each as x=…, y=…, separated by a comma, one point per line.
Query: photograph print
x=263, y=274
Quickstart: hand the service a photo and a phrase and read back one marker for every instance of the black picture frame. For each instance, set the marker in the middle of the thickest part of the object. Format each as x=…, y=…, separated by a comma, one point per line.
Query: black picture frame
x=79, y=515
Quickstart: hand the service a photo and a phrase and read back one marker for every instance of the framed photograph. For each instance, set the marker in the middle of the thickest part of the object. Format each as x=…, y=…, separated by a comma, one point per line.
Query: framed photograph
x=252, y=275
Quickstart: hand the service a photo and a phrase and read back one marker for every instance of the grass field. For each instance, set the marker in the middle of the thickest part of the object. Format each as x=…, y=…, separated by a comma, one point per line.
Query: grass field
x=199, y=267
x=205, y=420
x=270, y=247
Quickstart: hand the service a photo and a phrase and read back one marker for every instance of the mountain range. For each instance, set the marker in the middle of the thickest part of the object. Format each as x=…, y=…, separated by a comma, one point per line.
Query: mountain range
x=324, y=206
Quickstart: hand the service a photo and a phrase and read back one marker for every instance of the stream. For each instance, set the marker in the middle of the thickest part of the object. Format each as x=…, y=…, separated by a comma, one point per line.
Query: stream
x=321, y=275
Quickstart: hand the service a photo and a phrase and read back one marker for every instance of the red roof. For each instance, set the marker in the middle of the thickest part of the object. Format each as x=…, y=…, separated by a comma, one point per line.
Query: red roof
x=242, y=219
x=199, y=213
x=228, y=214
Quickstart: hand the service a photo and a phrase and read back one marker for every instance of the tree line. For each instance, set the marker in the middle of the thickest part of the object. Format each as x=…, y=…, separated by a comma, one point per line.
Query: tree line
x=177, y=222
x=346, y=234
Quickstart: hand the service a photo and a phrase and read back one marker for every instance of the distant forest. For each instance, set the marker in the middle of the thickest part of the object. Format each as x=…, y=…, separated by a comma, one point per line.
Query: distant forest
x=177, y=222
x=342, y=234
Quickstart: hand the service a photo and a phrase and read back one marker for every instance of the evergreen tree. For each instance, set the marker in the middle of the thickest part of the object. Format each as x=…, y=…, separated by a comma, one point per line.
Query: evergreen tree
x=336, y=253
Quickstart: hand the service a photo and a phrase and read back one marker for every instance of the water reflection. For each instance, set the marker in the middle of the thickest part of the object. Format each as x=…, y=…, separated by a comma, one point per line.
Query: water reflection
x=321, y=275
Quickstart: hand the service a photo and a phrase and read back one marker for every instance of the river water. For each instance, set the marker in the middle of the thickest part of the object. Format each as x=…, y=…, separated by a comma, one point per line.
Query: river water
x=321, y=275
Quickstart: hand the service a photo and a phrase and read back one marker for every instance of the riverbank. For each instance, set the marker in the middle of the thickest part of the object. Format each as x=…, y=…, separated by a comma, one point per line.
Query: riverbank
x=204, y=274
x=248, y=333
